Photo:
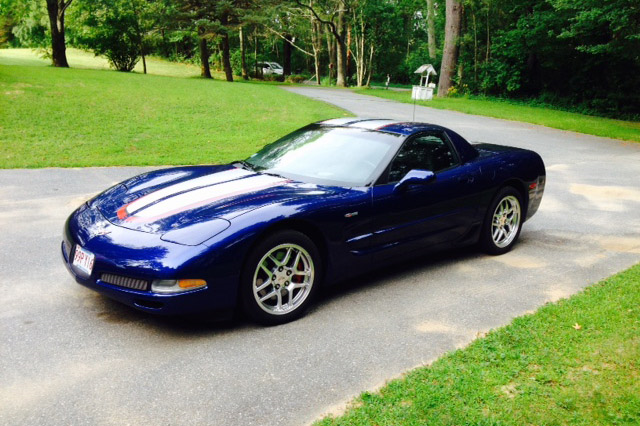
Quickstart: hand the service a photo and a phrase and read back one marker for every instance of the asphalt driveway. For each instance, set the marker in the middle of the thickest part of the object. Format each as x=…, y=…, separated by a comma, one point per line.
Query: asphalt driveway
x=70, y=356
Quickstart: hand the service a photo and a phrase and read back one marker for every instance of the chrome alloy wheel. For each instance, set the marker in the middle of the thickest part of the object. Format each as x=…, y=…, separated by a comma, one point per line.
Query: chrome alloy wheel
x=506, y=221
x=283, y=279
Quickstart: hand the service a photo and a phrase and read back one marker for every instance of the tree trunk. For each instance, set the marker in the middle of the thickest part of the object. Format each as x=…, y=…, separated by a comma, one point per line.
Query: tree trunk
x=341, y=47
x=331, y=51
x=144, y=63
x=341, y=65
x=226, y=57
x=349, y=56
x=475, y=49
x=488, y=55
x=431, y=29
x=534, y=85
x=255, y=53
x=316, y=42
x=286, y=54
x=359, y=54
x=243, y=59
x=56, y=10
x=450, y=53
x=205, y=71
x=370, y=65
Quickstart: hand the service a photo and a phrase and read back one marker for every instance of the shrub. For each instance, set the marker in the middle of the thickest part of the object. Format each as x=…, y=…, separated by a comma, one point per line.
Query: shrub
x=296, y=78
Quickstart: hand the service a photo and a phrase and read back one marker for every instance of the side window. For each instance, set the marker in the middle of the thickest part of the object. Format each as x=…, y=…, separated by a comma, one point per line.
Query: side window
x=426, y=152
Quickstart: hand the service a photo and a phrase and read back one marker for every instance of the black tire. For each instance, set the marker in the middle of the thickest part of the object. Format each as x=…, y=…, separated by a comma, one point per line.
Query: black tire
x=503, y=222
x=291, y=281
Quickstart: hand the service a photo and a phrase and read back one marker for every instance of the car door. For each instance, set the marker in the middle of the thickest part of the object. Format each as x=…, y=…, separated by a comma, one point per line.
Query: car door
x=428, y=214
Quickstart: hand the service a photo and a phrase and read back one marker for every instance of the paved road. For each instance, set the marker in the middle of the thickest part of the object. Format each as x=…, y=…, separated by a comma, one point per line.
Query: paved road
x=69, y=356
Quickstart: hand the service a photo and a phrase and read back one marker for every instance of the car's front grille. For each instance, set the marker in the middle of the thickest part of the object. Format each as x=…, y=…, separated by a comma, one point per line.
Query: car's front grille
x=128, y=282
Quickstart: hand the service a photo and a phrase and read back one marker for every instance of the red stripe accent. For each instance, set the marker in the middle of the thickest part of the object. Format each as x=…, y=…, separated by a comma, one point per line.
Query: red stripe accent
x=124, y=208
x=122, y=211
x=135, y=219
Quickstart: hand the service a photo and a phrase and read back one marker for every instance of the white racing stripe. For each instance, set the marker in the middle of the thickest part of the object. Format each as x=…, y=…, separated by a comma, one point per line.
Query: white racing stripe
x=202, y=196
x=212, y=179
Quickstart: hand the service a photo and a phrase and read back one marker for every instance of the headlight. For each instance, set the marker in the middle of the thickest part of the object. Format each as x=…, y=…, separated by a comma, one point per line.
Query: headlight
x=176, y=286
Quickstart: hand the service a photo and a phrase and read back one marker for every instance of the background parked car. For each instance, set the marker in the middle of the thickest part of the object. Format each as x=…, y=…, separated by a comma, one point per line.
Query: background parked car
x=270, y=68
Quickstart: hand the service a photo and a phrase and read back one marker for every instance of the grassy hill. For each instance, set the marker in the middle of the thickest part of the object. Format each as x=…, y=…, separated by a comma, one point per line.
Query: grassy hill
x=95, y=117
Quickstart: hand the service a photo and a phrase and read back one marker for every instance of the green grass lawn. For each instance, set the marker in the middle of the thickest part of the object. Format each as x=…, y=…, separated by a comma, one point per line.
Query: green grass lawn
x=573, y=362
x=87, y=117
x=82, y=59
x=563, y=120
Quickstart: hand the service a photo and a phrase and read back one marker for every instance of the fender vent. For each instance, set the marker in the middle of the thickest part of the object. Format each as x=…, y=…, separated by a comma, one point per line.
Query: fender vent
x=128, y=282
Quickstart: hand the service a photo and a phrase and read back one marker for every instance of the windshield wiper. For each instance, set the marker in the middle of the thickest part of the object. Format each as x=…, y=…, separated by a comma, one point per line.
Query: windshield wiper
x=273, y=174
x=244, y=165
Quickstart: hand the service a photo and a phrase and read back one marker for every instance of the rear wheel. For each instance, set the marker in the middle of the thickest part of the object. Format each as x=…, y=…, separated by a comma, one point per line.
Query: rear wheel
x=503, y=222
x=280, y=278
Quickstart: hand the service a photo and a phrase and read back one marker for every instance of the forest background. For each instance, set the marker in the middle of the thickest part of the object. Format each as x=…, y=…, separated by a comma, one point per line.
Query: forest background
x=577, y=55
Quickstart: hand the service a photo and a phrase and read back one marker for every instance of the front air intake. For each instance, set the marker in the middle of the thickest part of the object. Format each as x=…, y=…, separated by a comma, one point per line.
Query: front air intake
x=128, y=282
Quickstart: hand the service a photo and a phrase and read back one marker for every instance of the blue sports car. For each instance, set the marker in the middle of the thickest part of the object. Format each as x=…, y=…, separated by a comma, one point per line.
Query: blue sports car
x=324, y=203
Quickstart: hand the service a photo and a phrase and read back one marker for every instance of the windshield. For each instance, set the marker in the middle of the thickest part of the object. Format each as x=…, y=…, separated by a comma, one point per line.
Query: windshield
x=328, y=155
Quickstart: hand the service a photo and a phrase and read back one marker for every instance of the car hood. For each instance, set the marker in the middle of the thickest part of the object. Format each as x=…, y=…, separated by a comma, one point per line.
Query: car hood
x=169, y=200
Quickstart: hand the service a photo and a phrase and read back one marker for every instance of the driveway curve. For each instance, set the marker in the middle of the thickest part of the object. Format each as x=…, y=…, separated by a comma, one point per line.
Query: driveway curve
x=70, y=356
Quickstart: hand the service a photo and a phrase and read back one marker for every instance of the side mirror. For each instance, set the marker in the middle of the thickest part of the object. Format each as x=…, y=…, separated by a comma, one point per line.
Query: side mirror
x=414, y=177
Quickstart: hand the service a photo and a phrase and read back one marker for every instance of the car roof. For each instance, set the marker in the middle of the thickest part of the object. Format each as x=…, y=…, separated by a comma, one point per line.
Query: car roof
x=404, y=128
x=382, y=125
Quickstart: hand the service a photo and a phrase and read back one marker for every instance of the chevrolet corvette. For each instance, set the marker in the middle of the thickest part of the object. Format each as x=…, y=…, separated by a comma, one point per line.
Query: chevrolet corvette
x=327, y=202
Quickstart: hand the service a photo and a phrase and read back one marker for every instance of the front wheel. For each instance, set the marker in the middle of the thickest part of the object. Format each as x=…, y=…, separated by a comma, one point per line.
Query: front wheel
x=280, y=278
x=503, y=222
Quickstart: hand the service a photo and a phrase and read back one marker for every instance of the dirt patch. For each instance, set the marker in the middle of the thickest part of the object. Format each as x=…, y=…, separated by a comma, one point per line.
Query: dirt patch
x=558, y=167
x=551, y=204
x=588, y=261
x=519, y=261
x=622, y=244
x=606, y=198
x=436, y=327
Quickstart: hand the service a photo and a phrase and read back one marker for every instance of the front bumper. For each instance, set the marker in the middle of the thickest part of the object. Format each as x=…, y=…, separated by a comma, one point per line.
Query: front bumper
x=144, y=257
x=190, y=302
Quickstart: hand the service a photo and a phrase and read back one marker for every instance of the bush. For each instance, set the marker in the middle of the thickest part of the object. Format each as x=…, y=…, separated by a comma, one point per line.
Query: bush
x=112, y=30
x=296, y=78
x=327, y=81
x=273, y=77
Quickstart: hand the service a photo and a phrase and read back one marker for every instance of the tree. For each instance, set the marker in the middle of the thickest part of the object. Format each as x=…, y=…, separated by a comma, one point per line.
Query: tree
x=115, y=29
x=336, y=23
x=213, y=20
x=450, y=53
x=199, y=16
x=24, y=24
x=56, y=10
x=370, y=21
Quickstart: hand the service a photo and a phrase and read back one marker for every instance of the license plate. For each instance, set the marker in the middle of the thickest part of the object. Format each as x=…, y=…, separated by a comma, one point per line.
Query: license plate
x=83, y=260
